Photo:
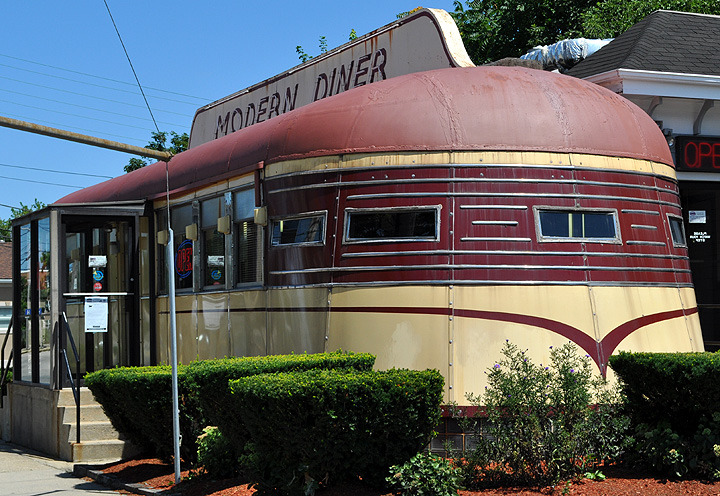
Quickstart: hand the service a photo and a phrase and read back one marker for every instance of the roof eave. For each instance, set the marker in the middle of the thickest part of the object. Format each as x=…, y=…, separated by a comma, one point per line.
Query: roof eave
x=654, y=83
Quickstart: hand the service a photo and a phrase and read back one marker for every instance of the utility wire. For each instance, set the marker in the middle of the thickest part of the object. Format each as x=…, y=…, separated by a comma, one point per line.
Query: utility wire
x=101, y=77
x=93, y=84
x=90, y=131
x=87, y=108
x=131, y=66
x=41, y=182
x=88, y=96
x=24, y=167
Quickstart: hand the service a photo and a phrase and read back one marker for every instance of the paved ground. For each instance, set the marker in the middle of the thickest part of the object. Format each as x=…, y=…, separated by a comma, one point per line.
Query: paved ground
x=27, y=473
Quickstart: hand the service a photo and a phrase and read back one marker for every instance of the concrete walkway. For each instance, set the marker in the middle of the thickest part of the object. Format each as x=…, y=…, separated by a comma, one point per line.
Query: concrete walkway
x=26, y=473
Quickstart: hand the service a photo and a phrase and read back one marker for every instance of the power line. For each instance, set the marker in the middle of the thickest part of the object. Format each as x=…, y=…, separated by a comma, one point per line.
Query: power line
x=131, y=65
x=93, y=131
x=93, y=84
x=87, y=108
x=41, y=182
x=72, y=115
x=24, y=167
x=88, y=96
x=101, y=77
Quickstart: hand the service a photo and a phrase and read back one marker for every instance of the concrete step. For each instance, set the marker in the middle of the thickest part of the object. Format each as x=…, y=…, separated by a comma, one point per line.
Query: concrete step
x=106, y=450
x=66, y=397
x=88, y=413
x=90, y=431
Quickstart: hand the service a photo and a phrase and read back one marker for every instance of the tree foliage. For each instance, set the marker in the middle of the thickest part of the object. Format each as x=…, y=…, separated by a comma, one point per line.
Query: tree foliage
x=178, y=143
x=15, y=212
x=495, y=29
x=610, y=18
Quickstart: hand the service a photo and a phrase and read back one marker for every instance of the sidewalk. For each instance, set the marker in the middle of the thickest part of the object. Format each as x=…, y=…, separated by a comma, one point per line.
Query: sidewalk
x=26, y=473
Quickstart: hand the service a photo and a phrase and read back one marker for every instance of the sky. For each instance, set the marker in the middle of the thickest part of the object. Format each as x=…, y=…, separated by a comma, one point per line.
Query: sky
x=62, y=65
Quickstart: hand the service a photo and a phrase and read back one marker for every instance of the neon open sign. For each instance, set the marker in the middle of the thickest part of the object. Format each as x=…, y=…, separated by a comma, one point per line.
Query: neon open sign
x=184, y=259
x=697, y=153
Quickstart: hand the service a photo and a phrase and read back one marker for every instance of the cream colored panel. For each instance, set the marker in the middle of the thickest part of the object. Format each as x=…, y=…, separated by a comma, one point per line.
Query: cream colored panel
x=162, y=328
x=687, y=296
x=145, y=331
x=186, y=317
x=415, y=339
x=479, y=341
x=213, y=336
x=296, y=330
x=248, y=333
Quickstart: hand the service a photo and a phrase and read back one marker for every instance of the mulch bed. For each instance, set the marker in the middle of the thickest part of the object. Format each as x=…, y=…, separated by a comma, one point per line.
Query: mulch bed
x=154, y=473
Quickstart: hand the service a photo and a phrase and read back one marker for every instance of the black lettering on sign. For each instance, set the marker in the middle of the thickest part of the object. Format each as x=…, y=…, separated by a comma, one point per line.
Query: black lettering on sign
x=290, y=99
x=274, y=105
x=249, y=121
x=262, y=109
x=379, y=68
x=321, y=80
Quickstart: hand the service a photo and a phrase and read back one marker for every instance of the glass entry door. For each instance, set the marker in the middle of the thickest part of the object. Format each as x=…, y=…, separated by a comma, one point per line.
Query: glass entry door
x=701, y=206
x=99, y=291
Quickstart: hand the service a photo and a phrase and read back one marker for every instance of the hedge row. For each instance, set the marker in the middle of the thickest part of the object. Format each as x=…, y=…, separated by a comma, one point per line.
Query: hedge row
x=138, y=400
x=323, y=426
x=678, y=388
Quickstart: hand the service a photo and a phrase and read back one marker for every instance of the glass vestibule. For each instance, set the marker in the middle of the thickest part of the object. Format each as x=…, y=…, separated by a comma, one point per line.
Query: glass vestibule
x=63, y=259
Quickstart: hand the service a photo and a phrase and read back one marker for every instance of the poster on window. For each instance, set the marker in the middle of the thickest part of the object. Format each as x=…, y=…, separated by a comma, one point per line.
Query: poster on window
x=96, y=314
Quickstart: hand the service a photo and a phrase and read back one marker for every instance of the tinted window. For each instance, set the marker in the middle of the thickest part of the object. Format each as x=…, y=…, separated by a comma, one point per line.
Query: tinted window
x=577, y=224
x=298, y=230
x=420, y=224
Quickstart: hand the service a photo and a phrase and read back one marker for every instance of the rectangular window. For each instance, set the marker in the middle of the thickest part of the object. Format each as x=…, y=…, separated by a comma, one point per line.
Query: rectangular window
x=306, y=229
x=246, y=237
x=677, y=231
x=213, y=243
x=572, y=225
x=180, y=218
x=392, y=224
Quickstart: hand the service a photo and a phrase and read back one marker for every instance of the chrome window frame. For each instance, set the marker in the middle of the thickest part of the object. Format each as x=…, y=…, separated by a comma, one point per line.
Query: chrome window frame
x=541, y=238
x=323, y=214
x=352, y=241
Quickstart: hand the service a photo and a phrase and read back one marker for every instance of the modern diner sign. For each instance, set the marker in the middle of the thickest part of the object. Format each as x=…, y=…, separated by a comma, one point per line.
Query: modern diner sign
x=424, y=40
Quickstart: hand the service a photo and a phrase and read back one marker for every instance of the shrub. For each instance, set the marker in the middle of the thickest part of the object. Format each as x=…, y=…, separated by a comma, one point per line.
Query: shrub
x=674, y=402
x=138, y=400
x=313, y=428
x=206, y=382
x=424, y=475
x=216, y=455
x=541, y=423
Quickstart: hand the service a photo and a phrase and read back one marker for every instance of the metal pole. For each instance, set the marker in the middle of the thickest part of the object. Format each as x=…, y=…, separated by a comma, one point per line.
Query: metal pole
x=83, y=138
x=173, y=351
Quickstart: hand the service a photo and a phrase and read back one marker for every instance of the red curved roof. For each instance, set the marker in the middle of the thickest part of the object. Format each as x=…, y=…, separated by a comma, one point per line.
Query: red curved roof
x=458, y=109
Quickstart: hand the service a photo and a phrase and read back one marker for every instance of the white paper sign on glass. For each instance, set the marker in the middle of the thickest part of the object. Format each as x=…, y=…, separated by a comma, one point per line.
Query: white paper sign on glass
x=96, y=314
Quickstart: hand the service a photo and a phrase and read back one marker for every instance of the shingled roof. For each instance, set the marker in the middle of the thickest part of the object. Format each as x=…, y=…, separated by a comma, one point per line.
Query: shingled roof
x=665, y=41
x=5, y=260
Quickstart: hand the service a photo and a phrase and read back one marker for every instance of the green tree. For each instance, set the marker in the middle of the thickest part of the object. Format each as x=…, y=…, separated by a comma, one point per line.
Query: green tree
x=15, y=212
x=322, y=43
x=495, y=29
x=178, y=143
x=610, y=18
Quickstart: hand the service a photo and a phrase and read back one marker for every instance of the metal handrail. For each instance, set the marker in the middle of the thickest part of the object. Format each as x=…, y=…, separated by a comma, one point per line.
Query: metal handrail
x=4, y=369
x=74, y=384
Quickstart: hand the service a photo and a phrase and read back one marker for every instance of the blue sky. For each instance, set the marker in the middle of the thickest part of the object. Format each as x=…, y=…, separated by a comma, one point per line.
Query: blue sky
x=62, y=65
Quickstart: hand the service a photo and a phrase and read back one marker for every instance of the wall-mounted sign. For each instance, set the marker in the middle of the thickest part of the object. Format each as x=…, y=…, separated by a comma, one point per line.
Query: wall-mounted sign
x=96, y=314
x=697, y=153
x=184, y=259
x=427, y=39
x=697, y=217
x=97, y=261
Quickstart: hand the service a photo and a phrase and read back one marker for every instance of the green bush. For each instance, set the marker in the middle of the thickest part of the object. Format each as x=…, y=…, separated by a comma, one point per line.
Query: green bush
x=315, y=428
x=424, y=475
x=138, y=400
x=674, y=401
x=207, y=381
x=677, y=388
x=216, y=455
x=543, y=424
